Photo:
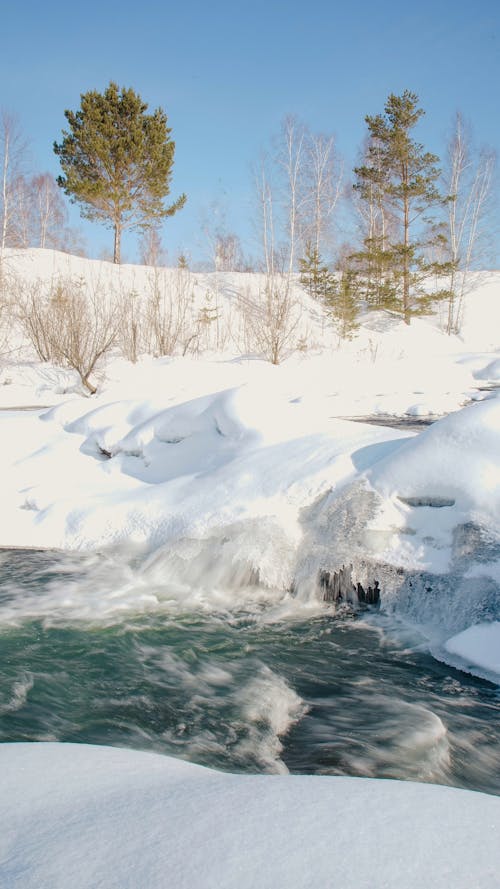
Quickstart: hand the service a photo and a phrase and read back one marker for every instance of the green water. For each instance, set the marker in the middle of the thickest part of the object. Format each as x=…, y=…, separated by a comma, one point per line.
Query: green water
x=351, y=694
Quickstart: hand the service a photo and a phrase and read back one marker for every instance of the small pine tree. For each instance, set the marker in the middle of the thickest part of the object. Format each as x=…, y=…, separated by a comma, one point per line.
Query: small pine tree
x=345, y=307
x=316, y=277
x=209, y=312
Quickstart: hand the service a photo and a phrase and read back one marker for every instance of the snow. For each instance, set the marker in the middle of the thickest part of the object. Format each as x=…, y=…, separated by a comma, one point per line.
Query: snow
x=236, y=480
x=478, y=646
x=219, y=481
x=448, y=475
x=83, y=816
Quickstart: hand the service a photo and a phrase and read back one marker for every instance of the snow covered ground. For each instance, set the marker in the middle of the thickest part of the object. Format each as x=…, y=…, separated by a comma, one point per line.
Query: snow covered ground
x=85, y=817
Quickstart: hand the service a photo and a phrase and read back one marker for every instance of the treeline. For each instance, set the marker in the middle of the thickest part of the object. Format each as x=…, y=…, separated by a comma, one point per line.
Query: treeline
x=417, y=225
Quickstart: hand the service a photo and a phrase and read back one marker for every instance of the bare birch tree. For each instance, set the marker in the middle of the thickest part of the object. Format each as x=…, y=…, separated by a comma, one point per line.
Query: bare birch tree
x=20, y=229
x=271, y=316
x=468, y=180
x=13, y=151
x=38, y=216
x=291, y=159
x=321, y=189
x=50, y=214
x=151, y=249
x=266, y=224
x=298, y=185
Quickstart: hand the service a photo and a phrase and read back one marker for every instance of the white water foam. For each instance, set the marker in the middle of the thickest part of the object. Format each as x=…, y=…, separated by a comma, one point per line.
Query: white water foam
x=270, y=707
x=245, y=566
x=253, y=715
x=18, y=695
x=407, y=740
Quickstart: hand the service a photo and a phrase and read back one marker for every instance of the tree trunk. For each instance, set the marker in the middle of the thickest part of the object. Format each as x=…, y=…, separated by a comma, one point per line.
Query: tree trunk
x=406, y=261
x=117, y=246
x=5, y=195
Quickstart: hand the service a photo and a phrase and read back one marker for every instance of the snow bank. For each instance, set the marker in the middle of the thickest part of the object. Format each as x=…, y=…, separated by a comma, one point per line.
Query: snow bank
x=236, y=479
x=448, y=476
x=147, y=473
x=478, y=647
x=481, y=321
x=79, y=816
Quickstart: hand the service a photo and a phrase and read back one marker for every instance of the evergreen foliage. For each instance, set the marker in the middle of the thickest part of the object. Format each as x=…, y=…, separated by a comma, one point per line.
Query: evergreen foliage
x=345, y=307
x=339, y=293
x=316, y=277
x=117, y=161
x=400, y=177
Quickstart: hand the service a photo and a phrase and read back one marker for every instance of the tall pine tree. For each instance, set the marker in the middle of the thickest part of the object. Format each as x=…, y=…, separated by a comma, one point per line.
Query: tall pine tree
x=401, y=176
x=117, y=161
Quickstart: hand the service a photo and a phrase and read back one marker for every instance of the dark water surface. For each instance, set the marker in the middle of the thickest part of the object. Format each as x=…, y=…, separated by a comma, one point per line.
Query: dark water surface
x=347, y=694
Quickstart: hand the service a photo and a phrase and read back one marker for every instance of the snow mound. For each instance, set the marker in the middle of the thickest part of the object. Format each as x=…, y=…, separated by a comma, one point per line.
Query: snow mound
x=477, y=647
x=456, y=458
x=440, y=494
x=78, y=816
x=155, y=473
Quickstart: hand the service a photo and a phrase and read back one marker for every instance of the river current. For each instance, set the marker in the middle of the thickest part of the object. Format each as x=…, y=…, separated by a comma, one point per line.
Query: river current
x=252, y=688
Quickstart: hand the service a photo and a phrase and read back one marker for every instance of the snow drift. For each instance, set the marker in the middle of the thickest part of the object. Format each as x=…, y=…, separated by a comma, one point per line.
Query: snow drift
x=80, y=816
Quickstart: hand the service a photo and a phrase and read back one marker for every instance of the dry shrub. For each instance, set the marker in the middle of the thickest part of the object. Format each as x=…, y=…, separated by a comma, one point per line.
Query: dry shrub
x=71, y=323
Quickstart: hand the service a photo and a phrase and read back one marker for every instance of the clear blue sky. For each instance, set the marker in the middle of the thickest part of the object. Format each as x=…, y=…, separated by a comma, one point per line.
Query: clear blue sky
x=227, y=73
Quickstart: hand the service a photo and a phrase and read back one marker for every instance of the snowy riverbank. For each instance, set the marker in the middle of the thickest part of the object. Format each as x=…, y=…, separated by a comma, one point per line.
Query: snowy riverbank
x=229, y=477
x=226, y=474
x=92, y=816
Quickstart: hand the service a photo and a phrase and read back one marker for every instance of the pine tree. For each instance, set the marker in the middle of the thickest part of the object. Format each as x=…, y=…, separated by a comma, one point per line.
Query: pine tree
x=117, y=161
x=345, y=306
x=401, y=177
x=316, y=277
x=375, y=267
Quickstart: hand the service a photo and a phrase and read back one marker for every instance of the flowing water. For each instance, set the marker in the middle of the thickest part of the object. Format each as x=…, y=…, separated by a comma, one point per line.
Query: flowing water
x=89, y=652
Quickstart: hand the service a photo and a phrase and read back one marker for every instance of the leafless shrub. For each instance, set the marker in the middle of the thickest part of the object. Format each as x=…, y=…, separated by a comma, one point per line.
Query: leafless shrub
x=207, y=321
x=169, y=312
x=8, y=345
x=132, y=340
x=34, y=314
x=271, y=318
x=69, y=324
x=6, y=323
